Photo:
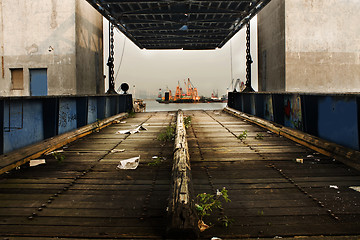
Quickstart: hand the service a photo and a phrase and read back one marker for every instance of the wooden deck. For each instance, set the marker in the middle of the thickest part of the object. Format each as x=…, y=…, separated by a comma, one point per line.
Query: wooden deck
x=86, y=197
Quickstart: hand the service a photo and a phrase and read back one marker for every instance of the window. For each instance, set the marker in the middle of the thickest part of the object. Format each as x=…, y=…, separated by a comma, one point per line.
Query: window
x=17, y=79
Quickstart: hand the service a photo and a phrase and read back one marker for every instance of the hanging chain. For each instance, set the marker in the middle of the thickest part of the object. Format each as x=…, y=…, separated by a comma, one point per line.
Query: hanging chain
x=110, y=62
x=249, y=60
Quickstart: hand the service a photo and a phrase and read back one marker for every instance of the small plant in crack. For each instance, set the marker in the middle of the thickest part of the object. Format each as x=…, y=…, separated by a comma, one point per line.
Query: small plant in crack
x=243, y=135
x=168, y=134
x=156, y=161
x=259, y=136
x=207, y=203
x=58, y=156
x=187, y=121
x=131, y=113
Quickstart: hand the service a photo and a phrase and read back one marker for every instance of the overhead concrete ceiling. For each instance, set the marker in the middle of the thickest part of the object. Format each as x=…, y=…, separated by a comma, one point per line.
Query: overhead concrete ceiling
x=187, y=24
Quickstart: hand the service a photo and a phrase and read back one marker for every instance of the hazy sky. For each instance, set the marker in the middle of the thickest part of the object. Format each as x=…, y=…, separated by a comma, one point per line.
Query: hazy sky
x=208, y=70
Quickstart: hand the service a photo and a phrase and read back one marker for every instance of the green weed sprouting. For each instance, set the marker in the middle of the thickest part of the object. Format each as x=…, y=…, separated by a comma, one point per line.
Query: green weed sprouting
x=259, y=136
x=131, y=113
x=243, y=135
x=187, y=122
x=206, y=203
x=156, y=162
x=168, y=134
x=58, y=156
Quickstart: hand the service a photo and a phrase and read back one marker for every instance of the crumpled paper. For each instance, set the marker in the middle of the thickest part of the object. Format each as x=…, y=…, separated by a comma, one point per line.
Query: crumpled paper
x=130, y=163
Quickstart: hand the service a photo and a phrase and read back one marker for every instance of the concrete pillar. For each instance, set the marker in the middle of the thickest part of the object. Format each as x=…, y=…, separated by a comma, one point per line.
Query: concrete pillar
x=309, y=46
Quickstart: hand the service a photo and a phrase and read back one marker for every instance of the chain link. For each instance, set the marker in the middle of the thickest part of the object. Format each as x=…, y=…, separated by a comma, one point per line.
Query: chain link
x=249, y=60
x=110, y=62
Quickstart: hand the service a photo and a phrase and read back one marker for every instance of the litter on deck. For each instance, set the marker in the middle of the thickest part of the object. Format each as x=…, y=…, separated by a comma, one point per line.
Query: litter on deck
x=36, y=162
x=131, y=131
x=131, y=163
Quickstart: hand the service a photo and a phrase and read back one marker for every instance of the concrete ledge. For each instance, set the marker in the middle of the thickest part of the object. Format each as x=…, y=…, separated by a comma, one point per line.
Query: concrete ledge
x=21, y=156
x=343, y=154
x=182, y=215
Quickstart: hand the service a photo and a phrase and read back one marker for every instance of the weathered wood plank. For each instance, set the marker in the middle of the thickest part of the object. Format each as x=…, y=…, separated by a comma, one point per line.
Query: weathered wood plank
x=181, y=210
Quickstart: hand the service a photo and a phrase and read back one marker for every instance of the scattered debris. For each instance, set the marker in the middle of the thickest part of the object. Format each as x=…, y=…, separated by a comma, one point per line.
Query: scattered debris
x=334, y=186
x=123, y=132
x=57, y=151
x=131, y=131
x=202, y=226
x=36, y=162
x=300, y=160
x=117, y=150
x=131, y=163
x=356, y=188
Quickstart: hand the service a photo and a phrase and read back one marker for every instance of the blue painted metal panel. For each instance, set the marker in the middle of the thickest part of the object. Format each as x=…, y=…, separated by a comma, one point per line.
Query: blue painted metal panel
x=278, y=108
x=50, y=116
x=30, y=120
x=107, y=107
x=309, y=108
x=247, y=103
x=292, y=112
x=67, y=115
x=92, y=110
x=101, y=105
x=38, y=82
x=252, y=104
x=23, y=124
x=81, y=111
x=259, y=105
x=268, y=107
x=338, y=120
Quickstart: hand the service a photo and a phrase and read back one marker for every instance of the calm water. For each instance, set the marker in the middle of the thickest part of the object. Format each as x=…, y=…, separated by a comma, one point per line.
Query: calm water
x=154, y=106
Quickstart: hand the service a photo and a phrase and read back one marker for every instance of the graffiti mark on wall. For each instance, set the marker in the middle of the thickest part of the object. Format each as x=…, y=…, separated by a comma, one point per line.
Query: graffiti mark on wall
x=292, y=112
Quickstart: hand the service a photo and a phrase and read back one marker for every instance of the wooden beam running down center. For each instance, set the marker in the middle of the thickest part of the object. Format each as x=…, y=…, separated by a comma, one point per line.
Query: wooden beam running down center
x=181, y=209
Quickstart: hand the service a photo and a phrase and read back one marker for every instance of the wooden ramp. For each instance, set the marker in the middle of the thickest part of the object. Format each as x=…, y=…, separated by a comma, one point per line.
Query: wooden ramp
x=85, y=196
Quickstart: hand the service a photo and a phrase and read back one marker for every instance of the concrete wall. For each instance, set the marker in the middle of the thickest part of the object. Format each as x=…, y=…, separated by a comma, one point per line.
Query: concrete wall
x=309, y=46
x=39, y=34
x=43, y=34
x=89, y=49
x=271, y=46
x=323, y=46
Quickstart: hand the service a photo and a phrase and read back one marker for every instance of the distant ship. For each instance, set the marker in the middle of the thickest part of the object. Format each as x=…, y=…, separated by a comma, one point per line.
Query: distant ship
x=191, y=95
x=215, y=97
